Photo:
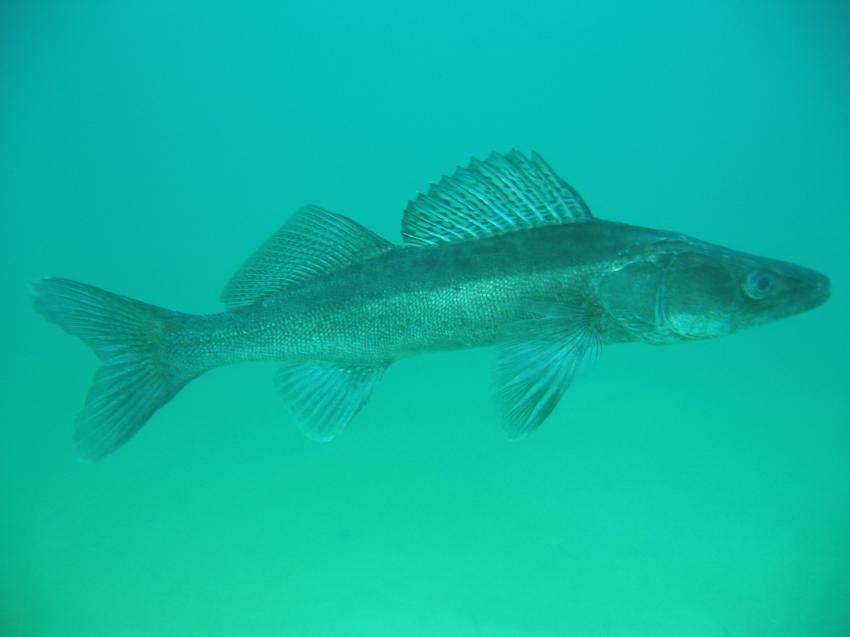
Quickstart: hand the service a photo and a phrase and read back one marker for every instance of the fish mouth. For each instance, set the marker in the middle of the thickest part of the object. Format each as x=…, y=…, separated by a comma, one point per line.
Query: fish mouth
x=822, y=290
x=817, y=292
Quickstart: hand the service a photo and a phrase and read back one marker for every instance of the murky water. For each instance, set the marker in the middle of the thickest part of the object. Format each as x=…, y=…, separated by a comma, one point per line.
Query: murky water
x=698, y=490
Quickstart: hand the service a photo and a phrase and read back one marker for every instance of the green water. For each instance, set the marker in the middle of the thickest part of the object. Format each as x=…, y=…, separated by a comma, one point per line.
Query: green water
x=695, y=490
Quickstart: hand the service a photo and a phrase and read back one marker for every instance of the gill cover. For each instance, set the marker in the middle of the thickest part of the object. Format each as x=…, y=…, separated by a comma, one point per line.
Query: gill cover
x=670, y=297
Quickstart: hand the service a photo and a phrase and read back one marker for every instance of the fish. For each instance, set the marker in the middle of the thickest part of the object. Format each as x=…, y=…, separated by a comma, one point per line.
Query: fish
x=503, y=252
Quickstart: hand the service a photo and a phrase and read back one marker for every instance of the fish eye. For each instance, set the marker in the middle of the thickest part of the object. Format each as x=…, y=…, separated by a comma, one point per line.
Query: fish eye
x=758, y=284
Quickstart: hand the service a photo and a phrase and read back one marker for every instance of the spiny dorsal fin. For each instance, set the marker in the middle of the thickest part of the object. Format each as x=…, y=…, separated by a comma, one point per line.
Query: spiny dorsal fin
x=502, y=194
x=313, y=241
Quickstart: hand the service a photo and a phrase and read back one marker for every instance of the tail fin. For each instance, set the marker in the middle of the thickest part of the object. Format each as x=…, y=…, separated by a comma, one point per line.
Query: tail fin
x=136, y=377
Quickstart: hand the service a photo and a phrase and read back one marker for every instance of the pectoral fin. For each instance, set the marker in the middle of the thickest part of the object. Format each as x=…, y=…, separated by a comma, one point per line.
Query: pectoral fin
x=539, y=360
x=325, y=396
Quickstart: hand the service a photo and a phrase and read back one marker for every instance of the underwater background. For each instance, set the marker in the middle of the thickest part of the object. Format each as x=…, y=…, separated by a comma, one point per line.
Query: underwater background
x=148, y=147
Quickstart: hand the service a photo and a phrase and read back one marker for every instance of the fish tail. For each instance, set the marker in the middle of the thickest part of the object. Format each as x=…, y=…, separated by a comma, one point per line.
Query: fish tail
x=138, y=374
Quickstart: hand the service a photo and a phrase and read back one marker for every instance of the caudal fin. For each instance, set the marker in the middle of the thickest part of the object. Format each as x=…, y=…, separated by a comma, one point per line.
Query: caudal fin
x=136, y=377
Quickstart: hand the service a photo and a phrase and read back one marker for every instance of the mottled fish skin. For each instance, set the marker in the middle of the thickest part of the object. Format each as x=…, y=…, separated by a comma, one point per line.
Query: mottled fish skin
x=451, y=296
x=415, y=300
x=503, y=252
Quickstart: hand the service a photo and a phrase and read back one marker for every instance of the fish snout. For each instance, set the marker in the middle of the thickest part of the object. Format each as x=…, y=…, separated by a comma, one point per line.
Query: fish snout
x=822, y=287
x=818, y=288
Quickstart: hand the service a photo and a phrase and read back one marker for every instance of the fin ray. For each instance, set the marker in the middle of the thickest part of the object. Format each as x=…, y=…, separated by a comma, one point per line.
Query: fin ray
x=501, y=194
x=326, y=396
x=312, y=242
x=539, y=360
x=136, y=377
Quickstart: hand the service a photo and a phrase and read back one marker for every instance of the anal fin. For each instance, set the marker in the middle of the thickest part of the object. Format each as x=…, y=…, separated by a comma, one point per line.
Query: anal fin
x=325, y=396
x=538, y=361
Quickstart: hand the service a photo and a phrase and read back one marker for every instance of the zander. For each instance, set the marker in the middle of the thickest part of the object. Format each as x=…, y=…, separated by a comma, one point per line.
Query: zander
x=503, y=252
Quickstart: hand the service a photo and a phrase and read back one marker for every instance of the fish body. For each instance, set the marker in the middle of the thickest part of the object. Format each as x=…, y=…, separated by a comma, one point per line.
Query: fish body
x=409, y=301
x=502, y=253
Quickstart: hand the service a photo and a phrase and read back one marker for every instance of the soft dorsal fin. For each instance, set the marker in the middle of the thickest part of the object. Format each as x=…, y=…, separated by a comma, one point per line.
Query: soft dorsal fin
x=502, y=194
x=313, y=241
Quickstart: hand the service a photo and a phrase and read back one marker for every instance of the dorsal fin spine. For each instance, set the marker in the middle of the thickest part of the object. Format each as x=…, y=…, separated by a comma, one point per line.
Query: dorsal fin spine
x=524, y=186
x=574, y=202
x=502, y=194
x=473, y=182
x=450, y=193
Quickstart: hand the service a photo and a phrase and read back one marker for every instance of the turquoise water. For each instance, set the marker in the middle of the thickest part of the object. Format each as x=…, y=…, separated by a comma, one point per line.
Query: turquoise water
x=696, y=490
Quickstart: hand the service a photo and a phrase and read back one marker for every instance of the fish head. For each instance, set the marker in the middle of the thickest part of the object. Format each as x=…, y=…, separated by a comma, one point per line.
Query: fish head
x=712, y=291
x=685, y=289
